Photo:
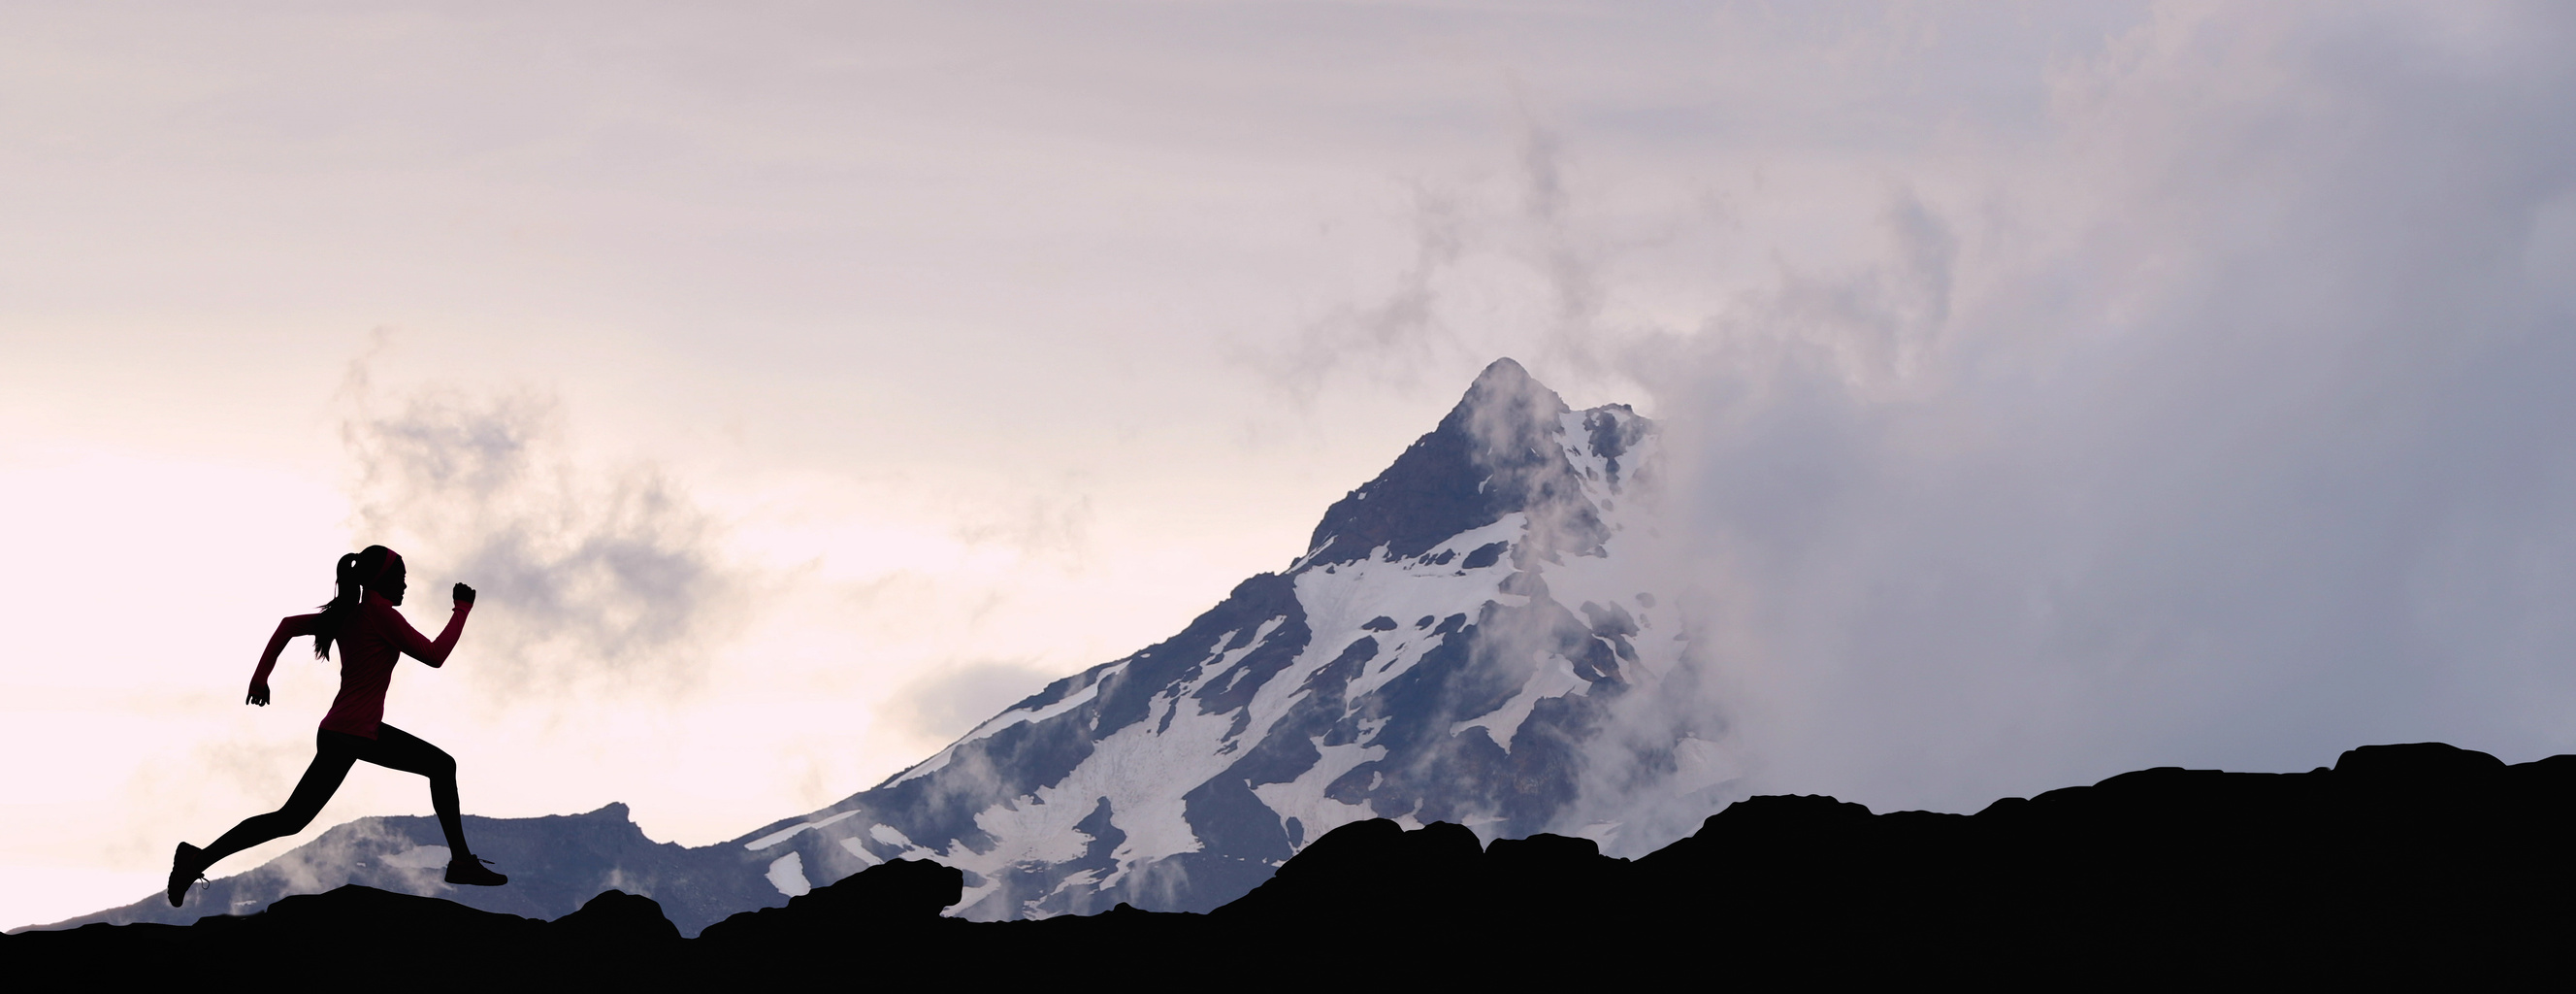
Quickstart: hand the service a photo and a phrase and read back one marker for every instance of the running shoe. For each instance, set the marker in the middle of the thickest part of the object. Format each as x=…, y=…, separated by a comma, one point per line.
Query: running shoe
x=187, y=866
x=468, y=870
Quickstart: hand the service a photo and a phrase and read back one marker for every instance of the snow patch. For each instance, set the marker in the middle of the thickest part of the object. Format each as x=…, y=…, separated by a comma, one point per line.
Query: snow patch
x=787, y=873
x=1304, y=800
x=1555, y=678
x=790, y=831
x=1047, y=839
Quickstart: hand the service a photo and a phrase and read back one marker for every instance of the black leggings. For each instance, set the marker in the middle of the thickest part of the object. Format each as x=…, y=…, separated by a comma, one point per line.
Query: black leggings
x=333, y=754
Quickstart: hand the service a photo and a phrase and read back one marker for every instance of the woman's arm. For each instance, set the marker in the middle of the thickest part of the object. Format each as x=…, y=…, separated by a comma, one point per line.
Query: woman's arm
x=287, y=628
x=433, y=652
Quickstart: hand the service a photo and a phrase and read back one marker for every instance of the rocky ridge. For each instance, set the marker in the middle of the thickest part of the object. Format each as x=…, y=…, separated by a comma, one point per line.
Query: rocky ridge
x=2410, y=863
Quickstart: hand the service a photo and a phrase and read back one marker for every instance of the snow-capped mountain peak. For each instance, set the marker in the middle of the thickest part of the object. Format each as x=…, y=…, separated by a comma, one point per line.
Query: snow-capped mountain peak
x=1447, y=644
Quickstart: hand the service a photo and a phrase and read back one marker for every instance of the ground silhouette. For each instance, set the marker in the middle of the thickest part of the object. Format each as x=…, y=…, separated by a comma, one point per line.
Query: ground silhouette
x=2406, y=863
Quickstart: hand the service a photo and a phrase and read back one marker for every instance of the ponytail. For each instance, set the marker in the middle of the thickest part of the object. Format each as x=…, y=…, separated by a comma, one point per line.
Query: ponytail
x=351, y=575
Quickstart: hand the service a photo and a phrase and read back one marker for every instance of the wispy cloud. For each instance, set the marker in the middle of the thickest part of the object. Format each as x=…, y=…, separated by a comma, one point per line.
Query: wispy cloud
x=1393, y=336
x=587, y=575
x=949, y=702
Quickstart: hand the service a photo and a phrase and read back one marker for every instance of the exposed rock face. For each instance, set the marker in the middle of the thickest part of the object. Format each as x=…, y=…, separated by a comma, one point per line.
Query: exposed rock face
x=2419, y=864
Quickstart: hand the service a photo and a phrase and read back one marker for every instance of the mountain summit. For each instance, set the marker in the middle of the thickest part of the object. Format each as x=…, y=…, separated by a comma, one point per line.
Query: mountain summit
x=1498, y=452
x=1445, y=650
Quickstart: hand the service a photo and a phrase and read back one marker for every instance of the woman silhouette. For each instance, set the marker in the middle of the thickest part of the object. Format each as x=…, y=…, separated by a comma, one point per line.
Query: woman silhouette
x=373, y=637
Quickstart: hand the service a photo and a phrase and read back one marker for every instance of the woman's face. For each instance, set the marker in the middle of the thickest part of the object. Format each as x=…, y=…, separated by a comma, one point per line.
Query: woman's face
x=391, y=587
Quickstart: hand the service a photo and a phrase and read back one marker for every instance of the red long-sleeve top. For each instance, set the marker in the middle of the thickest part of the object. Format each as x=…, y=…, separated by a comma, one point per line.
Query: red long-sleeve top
x=376, y=638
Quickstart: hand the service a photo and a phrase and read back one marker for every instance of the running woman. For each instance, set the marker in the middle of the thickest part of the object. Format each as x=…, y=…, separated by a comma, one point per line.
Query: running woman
x=373, y=637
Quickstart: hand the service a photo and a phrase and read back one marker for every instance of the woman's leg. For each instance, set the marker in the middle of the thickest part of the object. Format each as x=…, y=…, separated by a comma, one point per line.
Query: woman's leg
x=395, y=749
x=333, y=752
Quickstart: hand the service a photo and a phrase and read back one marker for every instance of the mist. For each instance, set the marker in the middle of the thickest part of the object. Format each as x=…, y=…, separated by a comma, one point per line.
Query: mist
x=595, y=578
x=2187, y=394
x=2224, y=424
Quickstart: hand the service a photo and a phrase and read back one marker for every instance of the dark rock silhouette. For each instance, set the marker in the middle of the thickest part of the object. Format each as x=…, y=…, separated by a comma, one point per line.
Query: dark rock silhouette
x=2413, y=864
x=896, y=895
x=1366, y=871
x=616, y=924
x=2402, y=858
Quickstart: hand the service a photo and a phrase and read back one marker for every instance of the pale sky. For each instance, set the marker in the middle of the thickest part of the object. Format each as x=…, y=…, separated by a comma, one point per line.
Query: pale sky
x=2058, y=389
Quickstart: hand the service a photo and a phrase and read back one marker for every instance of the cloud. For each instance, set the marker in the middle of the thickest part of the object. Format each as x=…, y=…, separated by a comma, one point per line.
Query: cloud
x=942, y=705
x=2212, y=414
x=1046, y=523
x=1392, y=336
x=585, y=575
x=1492, y=259
x=2222, y=427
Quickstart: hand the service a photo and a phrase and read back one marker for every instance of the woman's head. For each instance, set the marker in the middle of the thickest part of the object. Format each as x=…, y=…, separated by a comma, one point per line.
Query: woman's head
x=374, y=568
